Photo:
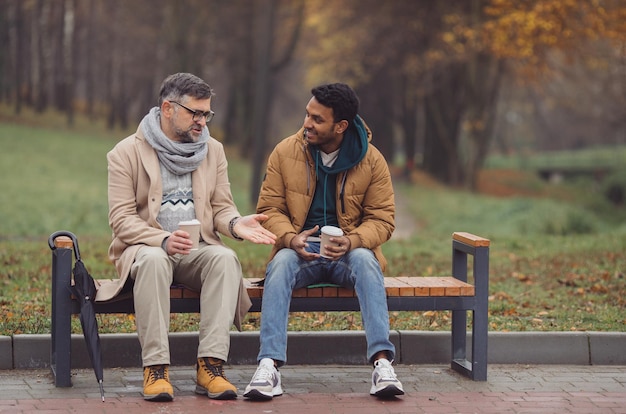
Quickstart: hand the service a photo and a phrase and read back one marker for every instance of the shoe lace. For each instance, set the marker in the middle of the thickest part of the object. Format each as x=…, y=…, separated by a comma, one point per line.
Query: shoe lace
x=385, y=371
x=213, y=368
x=263, y=373
x=157, y=373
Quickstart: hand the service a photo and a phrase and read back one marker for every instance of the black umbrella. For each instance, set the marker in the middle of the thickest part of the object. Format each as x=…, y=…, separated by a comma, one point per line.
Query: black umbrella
x=84, y=289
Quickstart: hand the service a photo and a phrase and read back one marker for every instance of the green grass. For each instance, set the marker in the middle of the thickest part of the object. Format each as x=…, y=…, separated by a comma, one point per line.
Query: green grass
x=611, y=157
x=53, y=180
x=58, y=180
x=554, y=265
x=557, y=261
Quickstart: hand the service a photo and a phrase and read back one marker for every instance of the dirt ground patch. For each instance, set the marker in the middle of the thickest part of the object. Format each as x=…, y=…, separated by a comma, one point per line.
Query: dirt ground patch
x=496, y=182
x=508, y=183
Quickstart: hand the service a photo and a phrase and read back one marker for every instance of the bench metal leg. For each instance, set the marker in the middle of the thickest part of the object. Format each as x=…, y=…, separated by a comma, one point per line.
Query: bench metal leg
x=459, y=319
x=480, y=325
x=476, y=367
x=459, y=335
x=60, y=344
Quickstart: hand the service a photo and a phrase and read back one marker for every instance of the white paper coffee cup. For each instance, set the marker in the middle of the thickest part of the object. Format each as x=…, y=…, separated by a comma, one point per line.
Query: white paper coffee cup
x=326, y=233
x=193, y=228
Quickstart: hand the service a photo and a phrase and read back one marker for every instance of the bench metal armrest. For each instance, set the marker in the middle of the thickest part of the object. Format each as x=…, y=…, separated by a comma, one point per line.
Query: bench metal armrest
x=464, y=244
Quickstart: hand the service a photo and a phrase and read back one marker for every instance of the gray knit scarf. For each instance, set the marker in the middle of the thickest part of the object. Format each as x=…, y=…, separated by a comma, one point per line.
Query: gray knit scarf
x=179, y=158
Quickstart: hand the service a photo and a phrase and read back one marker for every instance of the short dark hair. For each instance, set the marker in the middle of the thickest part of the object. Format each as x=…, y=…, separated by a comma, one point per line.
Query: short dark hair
x=340, y=98
x=178, y=85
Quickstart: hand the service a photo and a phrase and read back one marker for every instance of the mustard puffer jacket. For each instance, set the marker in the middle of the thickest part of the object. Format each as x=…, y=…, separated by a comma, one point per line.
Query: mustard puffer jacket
x=365, y=196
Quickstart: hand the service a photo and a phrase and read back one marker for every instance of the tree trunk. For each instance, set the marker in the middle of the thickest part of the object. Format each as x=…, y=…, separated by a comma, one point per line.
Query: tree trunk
x=90, y=46
x=5, y=52
x=443, y=115
x=59, y=49
x=38, y=96
x=266, y=69
x=72, y=57
x=240, y=60
x=484, y=84
x=409, y=123
x=262, y=95
x=19, y=55
x=376, y=107
x=115, y=67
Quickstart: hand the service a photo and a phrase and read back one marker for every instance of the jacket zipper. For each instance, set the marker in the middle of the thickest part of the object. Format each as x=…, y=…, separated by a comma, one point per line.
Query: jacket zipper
x=341, y=192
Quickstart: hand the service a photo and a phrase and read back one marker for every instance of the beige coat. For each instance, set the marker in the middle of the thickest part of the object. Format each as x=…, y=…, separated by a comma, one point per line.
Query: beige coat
x=135, y=194
x=367, y=216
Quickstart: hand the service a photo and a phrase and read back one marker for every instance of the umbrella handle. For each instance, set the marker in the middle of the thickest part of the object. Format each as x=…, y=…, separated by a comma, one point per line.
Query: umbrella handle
x=68, y=234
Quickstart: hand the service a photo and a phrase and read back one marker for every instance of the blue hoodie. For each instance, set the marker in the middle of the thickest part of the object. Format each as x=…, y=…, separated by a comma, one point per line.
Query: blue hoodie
x=323, y=211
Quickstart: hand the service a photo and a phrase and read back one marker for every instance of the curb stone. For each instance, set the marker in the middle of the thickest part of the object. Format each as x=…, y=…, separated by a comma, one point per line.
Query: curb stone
x=340, y=347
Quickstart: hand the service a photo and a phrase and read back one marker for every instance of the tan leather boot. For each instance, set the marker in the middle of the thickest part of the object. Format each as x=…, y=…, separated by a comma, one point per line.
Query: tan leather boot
x=211, y=380
x=156, y=383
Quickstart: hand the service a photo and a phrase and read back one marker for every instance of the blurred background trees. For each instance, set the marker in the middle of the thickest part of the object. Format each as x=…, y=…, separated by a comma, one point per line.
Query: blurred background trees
x=442, y=83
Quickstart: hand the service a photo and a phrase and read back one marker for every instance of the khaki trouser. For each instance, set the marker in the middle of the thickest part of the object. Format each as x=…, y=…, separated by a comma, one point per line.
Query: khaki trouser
x=212, y=270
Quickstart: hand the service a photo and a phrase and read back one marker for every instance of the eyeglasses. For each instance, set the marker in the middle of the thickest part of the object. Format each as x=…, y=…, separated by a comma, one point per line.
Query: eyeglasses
x=197, y=115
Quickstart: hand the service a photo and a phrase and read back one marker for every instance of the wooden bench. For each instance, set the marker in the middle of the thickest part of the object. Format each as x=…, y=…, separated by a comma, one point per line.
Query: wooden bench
x=404, y=293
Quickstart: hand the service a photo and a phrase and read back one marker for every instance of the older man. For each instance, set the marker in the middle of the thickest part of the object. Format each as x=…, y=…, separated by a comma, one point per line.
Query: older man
x=172, y=170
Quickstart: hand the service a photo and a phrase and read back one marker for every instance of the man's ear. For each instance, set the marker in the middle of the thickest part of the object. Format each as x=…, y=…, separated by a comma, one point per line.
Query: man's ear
x=341, y=126
x=167, y=109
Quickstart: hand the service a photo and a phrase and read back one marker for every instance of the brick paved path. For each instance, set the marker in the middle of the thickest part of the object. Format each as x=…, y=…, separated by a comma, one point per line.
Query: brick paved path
x=335, y=389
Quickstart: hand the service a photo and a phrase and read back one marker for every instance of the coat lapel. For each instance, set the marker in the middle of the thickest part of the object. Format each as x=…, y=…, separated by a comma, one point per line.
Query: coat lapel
x=150, y=163
x=198, y=185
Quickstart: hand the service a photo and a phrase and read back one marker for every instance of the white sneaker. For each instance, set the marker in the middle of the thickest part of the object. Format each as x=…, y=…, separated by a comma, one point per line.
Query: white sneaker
x=265, y=383
x=384, y=381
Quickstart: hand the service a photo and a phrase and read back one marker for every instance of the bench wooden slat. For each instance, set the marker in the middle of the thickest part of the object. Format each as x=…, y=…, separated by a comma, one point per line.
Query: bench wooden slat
x=317, y=292
x=330, y=292
x=470, y=239
x=253, y=290
x=401, y=286
x=397, y=287
x=346, y=293
x=392, y=287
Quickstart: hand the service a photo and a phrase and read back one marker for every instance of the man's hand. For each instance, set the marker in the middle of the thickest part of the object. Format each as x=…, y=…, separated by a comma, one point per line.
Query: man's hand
x=249, y=228
x=178, y=243
x=337, y=247
x=299, y=244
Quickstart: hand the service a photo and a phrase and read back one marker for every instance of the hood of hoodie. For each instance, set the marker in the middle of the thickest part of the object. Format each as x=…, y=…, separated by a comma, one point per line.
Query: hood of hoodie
x=353, y=149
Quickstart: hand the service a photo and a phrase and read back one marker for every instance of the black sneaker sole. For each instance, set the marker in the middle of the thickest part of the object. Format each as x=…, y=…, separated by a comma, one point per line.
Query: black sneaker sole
x=388, y=392
x=226, y=395
x=162, y=397
x=256, y=395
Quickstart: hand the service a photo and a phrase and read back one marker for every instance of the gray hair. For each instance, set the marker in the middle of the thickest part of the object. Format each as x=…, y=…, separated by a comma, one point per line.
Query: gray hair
x=178, y=85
